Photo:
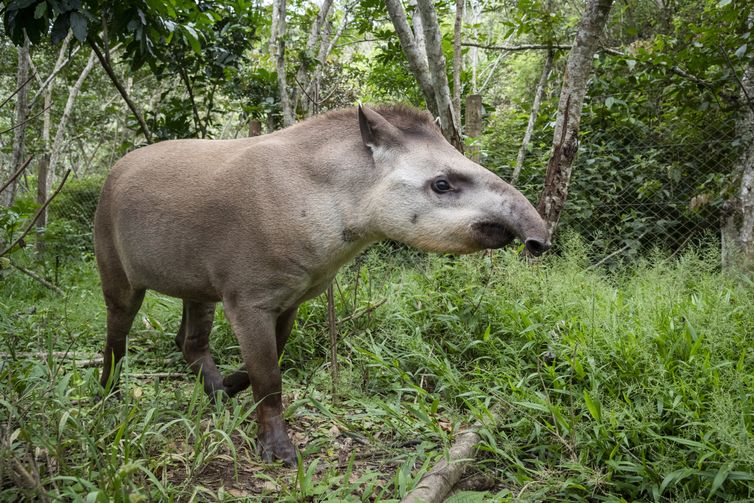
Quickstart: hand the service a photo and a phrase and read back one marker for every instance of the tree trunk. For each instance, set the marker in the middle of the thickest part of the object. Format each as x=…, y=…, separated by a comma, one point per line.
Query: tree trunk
x=538, y=95
x=73, y=92
x=326, y=46
x=738, y=231
x=421, y=43
x=255, y=127
x=22, y=112
x=315, y=35
x=474, y=124
x=565, y=138
x=416, y=59
x=457, y=61
x=438, y=73
x=277, y=49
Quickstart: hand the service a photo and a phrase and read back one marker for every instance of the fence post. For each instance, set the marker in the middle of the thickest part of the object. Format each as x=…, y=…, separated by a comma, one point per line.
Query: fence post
x=474, y=124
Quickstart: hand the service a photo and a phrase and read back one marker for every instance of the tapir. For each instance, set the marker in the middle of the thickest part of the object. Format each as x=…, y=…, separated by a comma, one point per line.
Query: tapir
x=262, y=224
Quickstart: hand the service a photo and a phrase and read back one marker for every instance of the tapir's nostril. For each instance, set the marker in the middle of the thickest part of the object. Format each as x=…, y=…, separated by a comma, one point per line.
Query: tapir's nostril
x=537, y=247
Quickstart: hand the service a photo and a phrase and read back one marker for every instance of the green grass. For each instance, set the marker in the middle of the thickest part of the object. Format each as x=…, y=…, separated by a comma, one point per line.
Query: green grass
x=630, y=384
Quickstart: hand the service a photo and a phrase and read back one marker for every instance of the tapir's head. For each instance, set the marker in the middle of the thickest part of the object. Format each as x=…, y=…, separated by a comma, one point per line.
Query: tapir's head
x=430, y=196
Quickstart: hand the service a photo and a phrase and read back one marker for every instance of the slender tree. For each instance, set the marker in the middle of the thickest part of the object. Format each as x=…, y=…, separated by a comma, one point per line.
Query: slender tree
x=538, y=95
x=565, y=138
x=22, y=112
x=429, y=69
x=277, y=49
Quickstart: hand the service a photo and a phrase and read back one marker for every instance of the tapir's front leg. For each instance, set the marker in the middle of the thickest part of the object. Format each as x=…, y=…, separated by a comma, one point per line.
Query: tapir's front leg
x=239, y=380
x=255, y=331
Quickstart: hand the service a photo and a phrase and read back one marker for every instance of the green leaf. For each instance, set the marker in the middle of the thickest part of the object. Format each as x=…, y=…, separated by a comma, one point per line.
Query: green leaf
x=60, y=28
x=40, y=10
x=609, y=101
x=486, y=335
x=193, y=38
x=594, y=406
x=78, y=26
x=741, y=51
x=720, y=478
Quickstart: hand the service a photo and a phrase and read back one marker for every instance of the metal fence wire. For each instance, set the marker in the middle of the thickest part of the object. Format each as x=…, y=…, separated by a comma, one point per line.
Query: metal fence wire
x=633, y=189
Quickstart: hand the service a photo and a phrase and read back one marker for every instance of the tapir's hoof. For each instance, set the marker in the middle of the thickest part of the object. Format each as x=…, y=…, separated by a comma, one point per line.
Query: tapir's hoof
x=236, y=382
x=274, y=445
x=284, y=453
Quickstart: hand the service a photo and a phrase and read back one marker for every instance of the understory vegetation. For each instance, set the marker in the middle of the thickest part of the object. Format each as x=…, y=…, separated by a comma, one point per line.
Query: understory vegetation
x=633, y=383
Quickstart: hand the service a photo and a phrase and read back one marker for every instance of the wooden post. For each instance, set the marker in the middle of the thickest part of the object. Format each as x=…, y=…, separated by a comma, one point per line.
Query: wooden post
x=255, y=127
x=42, y=177
x=474, y=124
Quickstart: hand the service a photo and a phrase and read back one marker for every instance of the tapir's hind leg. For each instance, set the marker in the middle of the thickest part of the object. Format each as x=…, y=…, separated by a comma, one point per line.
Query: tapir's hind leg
x=122, y=303
x=193, y=341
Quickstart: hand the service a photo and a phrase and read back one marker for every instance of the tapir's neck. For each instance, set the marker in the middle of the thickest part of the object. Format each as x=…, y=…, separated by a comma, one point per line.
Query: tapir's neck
x=336, y=177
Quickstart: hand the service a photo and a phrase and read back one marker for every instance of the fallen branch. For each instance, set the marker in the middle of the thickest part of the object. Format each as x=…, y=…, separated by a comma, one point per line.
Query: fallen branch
x=437, y=483
x=81, y=360
x=36, y=215
x=159, y=375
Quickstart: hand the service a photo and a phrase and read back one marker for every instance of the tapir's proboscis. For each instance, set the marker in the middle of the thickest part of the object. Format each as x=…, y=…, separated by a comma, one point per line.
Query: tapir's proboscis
x=262, y=224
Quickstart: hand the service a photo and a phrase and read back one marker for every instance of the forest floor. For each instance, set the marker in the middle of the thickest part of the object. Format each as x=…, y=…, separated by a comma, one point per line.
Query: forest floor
x=591, y=384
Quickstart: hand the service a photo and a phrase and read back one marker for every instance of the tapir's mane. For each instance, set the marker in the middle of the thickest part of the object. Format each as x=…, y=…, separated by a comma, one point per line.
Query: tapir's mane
x=409, y=120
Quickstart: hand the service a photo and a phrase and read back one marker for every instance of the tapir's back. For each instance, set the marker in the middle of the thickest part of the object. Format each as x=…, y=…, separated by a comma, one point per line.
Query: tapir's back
x=170, y=212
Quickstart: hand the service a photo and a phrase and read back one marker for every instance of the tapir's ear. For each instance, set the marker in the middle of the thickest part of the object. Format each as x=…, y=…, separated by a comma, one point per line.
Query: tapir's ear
x=376, y=131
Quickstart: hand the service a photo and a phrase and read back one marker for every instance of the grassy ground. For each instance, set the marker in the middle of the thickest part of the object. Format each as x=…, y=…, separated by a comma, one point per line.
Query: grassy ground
x=634, y=384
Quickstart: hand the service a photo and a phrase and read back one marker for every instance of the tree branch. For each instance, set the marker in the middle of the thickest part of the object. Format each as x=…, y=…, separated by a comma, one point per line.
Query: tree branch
x=523, y=47
x=36, y=215
x=114, y=78
x=16, y=174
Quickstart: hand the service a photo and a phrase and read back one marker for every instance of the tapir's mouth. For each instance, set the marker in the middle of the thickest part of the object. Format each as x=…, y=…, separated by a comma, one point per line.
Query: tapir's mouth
x=492, y=234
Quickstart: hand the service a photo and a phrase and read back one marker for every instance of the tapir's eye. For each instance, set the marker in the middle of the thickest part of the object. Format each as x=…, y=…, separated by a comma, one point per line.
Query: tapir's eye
x=441, y=185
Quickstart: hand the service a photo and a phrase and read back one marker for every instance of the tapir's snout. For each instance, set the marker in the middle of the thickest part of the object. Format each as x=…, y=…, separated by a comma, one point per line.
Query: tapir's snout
x=524, y=221
x=536, y=246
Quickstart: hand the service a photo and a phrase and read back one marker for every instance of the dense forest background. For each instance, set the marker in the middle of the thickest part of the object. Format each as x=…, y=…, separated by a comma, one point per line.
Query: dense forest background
x=618, y=368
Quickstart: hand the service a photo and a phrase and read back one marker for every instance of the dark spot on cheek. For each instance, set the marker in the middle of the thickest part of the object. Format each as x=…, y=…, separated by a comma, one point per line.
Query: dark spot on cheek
x=349, y=235
x=303, y=213
x=414, y=218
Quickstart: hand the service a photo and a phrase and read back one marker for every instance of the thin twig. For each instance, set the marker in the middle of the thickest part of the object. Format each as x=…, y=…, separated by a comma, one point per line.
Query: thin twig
x=16, y=126
x=6, y=100
x=52, y=76
x=16, y=174
x=36, y=215
x=366, y=310
x=39, y=279
x=738, y=79
x=616, y=252
x=311, y=100
x=523, y=47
